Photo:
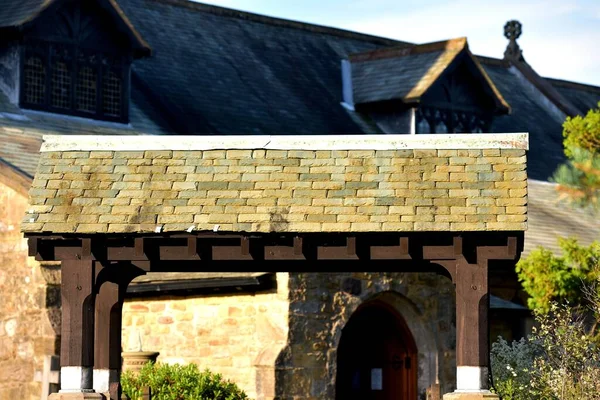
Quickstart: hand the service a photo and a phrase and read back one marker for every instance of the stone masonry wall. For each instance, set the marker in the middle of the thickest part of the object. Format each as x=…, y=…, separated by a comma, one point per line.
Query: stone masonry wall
x=279, y=190
x=239, y=336
x=284, y=345
x=29, y=305
x=320, y=307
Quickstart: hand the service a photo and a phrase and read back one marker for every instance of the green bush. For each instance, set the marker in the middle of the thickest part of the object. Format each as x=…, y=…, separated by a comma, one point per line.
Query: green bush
x=512, y=368
x=178, y=382
x=560, y=361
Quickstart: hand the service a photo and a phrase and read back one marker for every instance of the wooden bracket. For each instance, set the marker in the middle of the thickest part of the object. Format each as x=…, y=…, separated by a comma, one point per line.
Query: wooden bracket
x=240, y=252
x=400, y=252
x=294, y=252
x=347, y=252
x=192, y=246
x=32, y=244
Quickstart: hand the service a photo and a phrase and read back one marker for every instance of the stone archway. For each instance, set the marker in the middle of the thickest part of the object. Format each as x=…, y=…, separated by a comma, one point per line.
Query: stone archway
x=376, y=356
x=422, y=330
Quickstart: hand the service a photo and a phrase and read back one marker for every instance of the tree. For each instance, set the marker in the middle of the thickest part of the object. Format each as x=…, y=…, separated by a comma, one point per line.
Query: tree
x=547, y=277
x=579, y=178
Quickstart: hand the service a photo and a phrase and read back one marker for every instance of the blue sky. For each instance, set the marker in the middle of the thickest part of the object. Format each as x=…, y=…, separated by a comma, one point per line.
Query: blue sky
x=561, y=39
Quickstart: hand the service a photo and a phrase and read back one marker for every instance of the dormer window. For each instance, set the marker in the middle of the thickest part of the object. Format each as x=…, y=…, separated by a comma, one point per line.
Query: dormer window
x=432, y=88
x=76, y=58
x=69, y=79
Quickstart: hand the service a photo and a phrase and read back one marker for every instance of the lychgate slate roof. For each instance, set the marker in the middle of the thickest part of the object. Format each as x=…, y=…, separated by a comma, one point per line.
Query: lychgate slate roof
x=329, y=184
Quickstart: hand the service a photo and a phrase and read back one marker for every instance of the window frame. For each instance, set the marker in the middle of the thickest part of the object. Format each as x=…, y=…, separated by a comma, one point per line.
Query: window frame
x=121, y=66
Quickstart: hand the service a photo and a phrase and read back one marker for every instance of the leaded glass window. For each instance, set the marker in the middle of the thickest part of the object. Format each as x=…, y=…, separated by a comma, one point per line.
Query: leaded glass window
x=86, y=89
x=35, y=75
x=433, y=120
x=66, y=79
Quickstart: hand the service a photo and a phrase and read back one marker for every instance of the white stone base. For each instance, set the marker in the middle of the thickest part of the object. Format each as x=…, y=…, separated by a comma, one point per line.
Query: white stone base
x=76, y=379
x=471, y=379
x=479, y=395
x=103, y=378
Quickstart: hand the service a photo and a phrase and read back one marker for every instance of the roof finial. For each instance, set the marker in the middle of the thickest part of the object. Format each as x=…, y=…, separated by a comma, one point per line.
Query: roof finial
x=512, y=31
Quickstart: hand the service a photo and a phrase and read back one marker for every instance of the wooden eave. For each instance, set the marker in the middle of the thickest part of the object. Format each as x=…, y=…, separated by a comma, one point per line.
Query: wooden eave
x=240, y=252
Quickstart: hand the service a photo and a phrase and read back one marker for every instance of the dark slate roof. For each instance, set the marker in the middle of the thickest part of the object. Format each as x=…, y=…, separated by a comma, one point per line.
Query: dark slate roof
x=21, y=131
x=496, y=303
x=14, y=13
x=528, y=114
x=584, y=97
x=240, y=74
x=549, y=217
x=377, y=80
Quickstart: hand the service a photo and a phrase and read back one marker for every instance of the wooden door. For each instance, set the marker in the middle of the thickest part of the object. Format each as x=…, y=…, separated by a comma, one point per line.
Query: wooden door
x=376, y=357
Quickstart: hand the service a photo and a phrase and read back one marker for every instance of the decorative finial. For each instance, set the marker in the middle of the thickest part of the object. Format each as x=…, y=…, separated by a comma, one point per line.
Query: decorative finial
x=512, y=31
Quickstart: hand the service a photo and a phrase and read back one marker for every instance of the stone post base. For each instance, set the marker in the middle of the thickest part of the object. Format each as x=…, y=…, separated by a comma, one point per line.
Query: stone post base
x=77, y=396
x=483, y=395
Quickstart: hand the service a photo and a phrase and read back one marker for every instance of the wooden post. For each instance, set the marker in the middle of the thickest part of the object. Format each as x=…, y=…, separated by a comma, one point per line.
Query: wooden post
x=111, y=288
x=107, y=305
x=77, y=332
x=472, y=304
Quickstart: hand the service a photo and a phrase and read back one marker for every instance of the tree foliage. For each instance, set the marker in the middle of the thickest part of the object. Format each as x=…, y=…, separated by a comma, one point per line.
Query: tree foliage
x=547, y=277
x=579, y=178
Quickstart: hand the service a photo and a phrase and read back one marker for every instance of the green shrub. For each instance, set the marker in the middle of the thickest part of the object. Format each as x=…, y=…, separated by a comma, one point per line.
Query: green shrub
x=560, y=361
x=512, y=368
x=178, y=382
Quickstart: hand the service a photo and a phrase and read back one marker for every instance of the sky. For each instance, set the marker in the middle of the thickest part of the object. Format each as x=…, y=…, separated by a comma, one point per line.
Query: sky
x=561, y=38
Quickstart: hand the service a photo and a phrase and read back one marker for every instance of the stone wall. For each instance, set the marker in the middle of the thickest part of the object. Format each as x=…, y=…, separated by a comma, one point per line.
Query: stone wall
x=321, y=305
x=29, y=305
x=239, y=335
x=245, y=337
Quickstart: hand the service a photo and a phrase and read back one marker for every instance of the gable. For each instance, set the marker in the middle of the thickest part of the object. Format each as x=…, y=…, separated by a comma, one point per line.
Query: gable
x=460, y=86
x=86, y=23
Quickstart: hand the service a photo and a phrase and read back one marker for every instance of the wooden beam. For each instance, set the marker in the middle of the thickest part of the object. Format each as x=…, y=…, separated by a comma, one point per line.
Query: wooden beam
x=190, y=247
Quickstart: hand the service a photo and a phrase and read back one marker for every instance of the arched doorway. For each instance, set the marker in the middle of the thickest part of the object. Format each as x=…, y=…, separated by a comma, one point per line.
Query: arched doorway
x=377, y=356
